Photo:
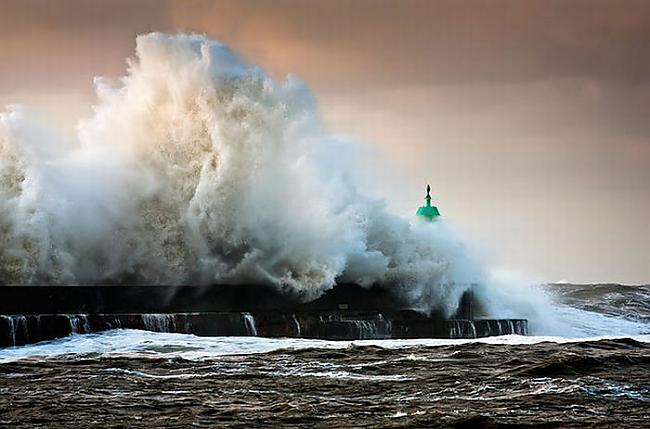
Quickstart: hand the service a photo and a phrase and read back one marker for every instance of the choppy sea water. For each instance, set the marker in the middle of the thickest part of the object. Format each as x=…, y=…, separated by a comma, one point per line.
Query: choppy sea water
x=129, y=378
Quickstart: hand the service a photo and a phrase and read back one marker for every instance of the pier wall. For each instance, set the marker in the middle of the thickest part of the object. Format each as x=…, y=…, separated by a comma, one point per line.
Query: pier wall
x=347, y=312
x=24, y=329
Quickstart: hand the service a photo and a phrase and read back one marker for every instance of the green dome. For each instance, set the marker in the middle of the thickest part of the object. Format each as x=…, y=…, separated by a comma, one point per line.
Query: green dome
x=428, y=211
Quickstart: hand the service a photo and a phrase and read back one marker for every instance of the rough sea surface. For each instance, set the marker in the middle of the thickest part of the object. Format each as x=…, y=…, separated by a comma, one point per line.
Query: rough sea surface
x=128, y=378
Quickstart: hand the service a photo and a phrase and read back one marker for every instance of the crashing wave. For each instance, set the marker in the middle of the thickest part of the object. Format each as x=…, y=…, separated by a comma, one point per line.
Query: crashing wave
x=199, y=168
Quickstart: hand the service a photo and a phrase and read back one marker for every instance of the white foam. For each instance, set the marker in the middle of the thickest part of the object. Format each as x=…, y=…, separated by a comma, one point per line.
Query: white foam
x=134, y=343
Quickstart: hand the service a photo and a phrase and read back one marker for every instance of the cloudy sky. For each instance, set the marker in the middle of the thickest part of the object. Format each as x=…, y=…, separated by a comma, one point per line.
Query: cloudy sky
x=528, y=118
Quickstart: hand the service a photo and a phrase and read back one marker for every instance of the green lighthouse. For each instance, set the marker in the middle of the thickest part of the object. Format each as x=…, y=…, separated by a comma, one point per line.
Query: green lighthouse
x=428, y=211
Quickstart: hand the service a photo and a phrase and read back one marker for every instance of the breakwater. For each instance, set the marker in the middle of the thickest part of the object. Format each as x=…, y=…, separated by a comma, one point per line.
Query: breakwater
x=347, y=312
x=25, y=329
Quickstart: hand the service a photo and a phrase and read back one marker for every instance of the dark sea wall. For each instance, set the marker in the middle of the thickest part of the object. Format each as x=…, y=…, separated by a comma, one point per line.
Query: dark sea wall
x=25, y=329
x=347, y=312
x=139, y=299
x=188, y=299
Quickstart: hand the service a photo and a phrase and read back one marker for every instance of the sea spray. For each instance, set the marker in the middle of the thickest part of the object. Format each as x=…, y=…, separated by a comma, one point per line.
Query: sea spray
x=199, y=168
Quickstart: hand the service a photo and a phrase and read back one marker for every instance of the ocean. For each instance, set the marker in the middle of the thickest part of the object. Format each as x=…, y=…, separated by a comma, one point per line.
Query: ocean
x=596, y=376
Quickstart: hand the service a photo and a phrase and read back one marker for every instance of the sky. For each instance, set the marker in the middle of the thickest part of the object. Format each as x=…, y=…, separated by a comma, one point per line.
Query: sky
x=528, y=118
